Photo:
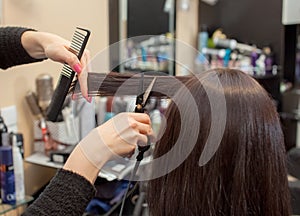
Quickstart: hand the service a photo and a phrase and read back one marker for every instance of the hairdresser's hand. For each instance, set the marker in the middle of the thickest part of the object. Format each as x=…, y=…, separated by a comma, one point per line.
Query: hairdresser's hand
x=117, y=137
x=41, y=45
x=124, y=132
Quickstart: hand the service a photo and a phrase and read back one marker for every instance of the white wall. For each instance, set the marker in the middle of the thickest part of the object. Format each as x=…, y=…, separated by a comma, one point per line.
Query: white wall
x=60, y=17
x=186, y=35
x=290, y=12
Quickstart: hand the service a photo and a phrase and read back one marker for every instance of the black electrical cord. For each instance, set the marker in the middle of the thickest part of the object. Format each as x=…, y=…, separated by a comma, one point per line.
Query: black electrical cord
x=139, y=157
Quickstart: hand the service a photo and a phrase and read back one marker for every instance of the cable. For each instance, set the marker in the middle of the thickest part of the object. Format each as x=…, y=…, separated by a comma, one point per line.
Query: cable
x=139, y=157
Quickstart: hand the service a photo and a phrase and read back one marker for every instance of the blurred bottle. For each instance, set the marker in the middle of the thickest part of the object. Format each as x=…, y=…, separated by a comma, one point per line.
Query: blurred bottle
x=109, y=111
x=20, y=143
x=156, y=119
x=4, y=135
x=203, y=38
x=18, y=171
x=48, y=144
x=101, y=109
x=3, y=130
x=8, y=194
x=269, y=61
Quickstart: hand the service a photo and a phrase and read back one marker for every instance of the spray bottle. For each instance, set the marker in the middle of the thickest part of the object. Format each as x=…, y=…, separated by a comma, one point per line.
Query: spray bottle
x=8, y=194
x=18, y=170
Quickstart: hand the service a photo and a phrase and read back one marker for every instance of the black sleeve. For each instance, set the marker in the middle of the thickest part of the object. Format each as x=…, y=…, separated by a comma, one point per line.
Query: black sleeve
x=67, y=194
x=12, y=52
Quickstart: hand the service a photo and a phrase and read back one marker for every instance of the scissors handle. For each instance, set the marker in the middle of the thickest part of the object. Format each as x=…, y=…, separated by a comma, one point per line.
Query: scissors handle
x=142, y=149
x=139, y=109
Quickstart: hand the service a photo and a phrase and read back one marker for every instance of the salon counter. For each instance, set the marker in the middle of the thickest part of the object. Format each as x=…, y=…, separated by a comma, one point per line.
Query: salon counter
x=112, y=170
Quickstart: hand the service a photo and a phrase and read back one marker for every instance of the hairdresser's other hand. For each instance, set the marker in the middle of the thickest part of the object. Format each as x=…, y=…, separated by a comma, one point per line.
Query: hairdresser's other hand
x=117, y=137
x=40, y=45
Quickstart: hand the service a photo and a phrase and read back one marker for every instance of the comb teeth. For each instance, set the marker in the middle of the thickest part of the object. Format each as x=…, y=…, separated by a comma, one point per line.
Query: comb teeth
x=79, y=38
x=66, y=71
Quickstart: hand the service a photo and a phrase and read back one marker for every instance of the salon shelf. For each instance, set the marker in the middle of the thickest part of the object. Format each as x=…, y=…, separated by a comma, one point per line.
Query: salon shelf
x=5, y=208
x=112, y=170
x=43, y=160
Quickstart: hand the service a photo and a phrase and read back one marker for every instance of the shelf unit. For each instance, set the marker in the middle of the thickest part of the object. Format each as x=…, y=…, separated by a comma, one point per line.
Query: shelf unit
x=112, y=170
x=5, y=209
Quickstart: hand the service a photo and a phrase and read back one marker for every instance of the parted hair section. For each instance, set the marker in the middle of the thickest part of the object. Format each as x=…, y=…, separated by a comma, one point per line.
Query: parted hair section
x=123, y=84
x=246, y=175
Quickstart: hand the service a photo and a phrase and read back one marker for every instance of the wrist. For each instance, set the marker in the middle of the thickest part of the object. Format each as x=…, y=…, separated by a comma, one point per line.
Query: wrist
x=95, y=148
x=32, y=44
x=36, y=43
x=80, y=164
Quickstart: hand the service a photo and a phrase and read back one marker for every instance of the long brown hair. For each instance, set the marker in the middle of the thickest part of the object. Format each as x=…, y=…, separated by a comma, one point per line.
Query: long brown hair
x=246, y=175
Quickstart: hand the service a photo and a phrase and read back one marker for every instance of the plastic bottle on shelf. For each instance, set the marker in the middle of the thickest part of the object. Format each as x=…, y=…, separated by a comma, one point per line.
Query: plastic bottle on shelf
x=5, y=139
x=3, y=129
x=109, y=112
x=8, y=194
x=101, y=110
x=45, y=136
x=202, y=38
x=18, y=171
x=269, y=59
x=156, y=119
x=20, y=143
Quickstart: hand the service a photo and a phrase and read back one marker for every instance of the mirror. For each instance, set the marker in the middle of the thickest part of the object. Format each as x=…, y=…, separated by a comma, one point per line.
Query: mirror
x=143, y=30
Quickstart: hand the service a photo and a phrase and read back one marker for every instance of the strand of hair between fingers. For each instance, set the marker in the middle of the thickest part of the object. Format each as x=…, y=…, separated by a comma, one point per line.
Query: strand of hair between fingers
x=120, y=84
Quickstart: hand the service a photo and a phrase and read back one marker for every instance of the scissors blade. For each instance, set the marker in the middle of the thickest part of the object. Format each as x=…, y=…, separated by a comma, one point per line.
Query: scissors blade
x=141, y=85
x=148, y=90
x=140, y=93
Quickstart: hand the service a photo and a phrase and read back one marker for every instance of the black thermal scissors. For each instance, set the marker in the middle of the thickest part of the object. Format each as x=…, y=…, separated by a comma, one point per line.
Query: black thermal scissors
x=141, y=101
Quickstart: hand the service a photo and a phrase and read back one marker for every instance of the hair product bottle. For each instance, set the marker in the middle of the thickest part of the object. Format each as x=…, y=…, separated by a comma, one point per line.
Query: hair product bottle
x=18, y=171
x=203, y=38
x=7, y=176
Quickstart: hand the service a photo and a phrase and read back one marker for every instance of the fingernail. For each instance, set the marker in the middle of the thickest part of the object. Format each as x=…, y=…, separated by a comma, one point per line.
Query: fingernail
x=74, y=96
x=77, y=68
x=89, y=99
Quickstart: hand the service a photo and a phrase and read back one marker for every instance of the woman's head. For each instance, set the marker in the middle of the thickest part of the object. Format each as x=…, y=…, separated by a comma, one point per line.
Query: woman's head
x=245, y=174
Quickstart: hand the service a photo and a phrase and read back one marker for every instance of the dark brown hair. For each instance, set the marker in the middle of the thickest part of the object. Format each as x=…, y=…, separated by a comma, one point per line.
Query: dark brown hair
x=246, y=175
x=118, y=84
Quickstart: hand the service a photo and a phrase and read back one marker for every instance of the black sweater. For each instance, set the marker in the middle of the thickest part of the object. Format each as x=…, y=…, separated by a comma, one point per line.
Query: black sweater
x=12, y=52
x=67, y=193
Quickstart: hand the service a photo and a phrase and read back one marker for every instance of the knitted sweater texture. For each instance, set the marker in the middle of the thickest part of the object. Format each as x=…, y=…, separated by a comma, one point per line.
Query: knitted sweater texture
x=67, y=194
x=12, y=52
